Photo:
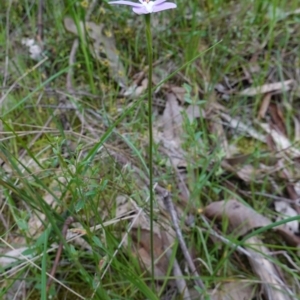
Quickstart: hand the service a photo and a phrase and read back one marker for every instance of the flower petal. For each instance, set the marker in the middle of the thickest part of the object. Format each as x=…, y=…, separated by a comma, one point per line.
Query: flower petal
x=140, y=10
x=157, y=2
x=123, y=2
x=164, y=6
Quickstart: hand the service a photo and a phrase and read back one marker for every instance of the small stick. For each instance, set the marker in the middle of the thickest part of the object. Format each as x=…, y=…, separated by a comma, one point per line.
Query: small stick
x=66, y=226
x=171, y=209
x=179, y=279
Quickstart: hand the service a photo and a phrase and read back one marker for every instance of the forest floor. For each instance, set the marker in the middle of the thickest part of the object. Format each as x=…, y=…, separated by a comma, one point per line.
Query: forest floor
x=74, y=165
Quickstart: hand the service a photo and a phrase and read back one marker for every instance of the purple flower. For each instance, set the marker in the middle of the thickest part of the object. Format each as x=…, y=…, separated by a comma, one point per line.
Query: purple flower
x=147, y=6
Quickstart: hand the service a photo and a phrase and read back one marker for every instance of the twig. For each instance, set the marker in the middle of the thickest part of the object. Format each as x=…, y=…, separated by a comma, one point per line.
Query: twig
x=180, y=282
x=67, y=223
x=171, y=209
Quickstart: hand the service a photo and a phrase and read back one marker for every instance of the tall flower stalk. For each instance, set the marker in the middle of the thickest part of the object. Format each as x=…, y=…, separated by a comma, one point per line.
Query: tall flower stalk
x=150, y=129
x=147, y=7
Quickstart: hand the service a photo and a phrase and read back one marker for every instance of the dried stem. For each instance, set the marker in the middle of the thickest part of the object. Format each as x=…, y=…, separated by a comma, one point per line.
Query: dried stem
x=66, y=226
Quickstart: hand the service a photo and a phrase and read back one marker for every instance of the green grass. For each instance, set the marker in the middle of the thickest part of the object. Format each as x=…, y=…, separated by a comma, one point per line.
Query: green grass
x=64, y=154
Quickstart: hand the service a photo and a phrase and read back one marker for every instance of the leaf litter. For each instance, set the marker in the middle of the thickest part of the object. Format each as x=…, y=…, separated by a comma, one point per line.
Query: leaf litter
x=169, y=136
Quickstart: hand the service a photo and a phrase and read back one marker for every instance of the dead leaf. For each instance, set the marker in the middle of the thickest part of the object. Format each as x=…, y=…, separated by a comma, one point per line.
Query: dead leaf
x=136, y=89
x=237, y=290
x=268, y=88
x=193, y=112
x=168, y=132
x=241, y=220
x=139, y=236
x=17, y=290
x=239, y=125
x=283, y=145
x=103, y=45
x=172, y=119
x=245, y=172
x=286, y=211
x=141, y=248
x=273, y=286
x=264, y=106
x=236, y=212
x=179, y=92
x=277, y=118
x=9, y=257
x=297, y=129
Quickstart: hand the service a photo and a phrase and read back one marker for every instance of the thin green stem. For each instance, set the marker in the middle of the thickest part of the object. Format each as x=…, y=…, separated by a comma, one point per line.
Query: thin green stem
x=150, y=55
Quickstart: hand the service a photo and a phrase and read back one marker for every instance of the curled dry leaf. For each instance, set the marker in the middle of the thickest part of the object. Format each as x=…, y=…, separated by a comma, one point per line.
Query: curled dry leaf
x=171, y=126
x=103, y=45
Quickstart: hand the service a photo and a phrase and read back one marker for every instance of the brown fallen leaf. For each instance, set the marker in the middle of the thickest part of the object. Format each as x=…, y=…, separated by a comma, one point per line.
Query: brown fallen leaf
x=103, y=45
x=241, y=220
x=264, y=106
x=172, y=118
x=140, y=246
x=168, y=132
x=138, y=237
x=277, y=118
x=179, y=92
